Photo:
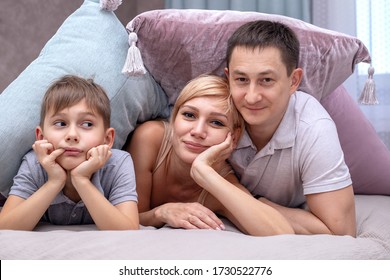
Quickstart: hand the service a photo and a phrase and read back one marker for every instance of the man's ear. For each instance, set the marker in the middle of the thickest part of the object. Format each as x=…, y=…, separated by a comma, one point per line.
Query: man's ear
x=227, y=72
x=296, y=78
x=39, y=133
x=110, y=136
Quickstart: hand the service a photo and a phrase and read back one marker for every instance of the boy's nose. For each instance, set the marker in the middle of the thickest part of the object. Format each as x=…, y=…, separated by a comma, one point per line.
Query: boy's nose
x=72, y=134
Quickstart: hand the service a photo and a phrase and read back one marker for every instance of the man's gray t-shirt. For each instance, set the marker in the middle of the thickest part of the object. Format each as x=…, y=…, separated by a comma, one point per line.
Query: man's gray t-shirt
x=116, y=180
x=303, y=157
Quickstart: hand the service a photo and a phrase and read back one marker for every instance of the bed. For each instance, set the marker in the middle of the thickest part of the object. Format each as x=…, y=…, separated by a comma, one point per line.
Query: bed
x=92, y=42
x=84, y=242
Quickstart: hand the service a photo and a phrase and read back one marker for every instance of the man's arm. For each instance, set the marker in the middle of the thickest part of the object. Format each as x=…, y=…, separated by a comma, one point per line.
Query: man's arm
x=329, y=213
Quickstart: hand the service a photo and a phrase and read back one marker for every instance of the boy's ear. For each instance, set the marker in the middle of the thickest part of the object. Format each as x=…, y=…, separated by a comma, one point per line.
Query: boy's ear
x=39, y=133
x=110, y=136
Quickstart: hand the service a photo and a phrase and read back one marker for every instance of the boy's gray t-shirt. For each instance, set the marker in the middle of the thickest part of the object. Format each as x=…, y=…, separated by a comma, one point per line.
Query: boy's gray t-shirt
x=116, y=180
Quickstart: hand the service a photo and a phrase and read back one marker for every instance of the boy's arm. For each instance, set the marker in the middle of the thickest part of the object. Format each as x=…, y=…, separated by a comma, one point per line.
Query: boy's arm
x=123, y=216
x=24, y=214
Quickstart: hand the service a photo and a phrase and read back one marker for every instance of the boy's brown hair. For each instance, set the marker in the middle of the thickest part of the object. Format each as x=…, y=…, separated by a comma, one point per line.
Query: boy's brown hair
x=70, y=90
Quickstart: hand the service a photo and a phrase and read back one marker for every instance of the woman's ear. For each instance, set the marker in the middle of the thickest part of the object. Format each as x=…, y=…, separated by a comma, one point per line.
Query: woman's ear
x=110, y=136
x=39, y=133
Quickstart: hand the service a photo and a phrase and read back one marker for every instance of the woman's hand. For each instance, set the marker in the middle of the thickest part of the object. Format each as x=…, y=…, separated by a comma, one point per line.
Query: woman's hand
x=215, y=156
x=47, y=156
x=188, y=216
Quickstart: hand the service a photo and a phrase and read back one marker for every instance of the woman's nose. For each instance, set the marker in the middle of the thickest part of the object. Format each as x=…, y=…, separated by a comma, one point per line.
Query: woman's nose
x=199, y=129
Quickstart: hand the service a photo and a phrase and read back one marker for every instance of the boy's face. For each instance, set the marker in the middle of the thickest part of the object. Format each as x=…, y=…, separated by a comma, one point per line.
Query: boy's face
x=260, y=86
x=76, y=129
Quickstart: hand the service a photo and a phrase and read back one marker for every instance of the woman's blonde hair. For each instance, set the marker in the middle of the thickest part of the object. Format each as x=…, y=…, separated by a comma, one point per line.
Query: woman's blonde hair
x=209, y=85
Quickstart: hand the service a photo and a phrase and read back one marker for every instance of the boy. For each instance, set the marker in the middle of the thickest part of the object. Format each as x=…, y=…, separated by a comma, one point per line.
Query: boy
x=290, y=152
x=72, y=176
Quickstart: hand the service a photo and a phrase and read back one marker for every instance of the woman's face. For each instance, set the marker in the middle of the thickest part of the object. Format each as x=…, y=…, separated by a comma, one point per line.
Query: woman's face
x=200, y=123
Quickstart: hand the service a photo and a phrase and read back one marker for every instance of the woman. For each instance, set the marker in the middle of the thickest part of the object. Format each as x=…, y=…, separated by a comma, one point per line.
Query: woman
x=182, y=175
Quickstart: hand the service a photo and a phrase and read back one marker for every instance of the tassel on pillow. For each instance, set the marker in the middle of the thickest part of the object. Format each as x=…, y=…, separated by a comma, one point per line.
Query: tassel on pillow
x=368, y=96
x=110, y=5
x=134, y=65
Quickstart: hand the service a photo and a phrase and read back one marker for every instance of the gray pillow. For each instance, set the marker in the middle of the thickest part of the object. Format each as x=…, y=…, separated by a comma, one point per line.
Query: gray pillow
x=91, y=43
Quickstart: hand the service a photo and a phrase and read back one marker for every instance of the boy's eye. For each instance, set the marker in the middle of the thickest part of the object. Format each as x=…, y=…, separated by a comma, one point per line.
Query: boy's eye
x=87, y=124
x=59, y=123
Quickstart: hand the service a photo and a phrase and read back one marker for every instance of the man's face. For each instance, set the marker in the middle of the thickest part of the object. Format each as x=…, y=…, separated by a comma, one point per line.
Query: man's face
x=260, y=86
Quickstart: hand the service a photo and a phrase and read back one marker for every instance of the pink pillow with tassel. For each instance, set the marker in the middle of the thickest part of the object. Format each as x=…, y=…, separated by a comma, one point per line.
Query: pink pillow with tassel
x=178, y=45
x=366, y=155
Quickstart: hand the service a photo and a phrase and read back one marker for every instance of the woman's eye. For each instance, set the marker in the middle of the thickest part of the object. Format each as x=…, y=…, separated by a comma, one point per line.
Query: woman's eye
x=217, y=123
x=188, y=115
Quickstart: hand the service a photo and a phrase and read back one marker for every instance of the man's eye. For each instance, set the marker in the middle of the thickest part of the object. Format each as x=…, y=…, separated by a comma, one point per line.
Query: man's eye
x=241, y=80
x=267, y=80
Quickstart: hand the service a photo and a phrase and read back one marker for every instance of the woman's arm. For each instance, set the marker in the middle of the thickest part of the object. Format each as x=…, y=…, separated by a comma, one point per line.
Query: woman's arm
x=144, y=148
x=246, y=212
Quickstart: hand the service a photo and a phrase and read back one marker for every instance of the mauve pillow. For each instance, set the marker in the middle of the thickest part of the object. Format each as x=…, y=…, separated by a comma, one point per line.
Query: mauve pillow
x=366, y=155
x=178, y=45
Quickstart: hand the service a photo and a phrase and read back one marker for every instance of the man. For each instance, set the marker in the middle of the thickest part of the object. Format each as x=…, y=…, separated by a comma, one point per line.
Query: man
x=290, y=153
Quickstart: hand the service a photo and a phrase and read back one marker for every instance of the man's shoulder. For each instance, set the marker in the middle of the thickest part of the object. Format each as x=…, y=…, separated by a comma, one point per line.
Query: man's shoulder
x=308, y=107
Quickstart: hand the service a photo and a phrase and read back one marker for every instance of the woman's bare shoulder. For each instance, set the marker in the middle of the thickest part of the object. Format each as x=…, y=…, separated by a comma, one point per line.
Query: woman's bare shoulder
x=149, y=133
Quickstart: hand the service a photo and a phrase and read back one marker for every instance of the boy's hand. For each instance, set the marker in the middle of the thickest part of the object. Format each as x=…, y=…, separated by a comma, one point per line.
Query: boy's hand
x=96, y=159
x=47, y=158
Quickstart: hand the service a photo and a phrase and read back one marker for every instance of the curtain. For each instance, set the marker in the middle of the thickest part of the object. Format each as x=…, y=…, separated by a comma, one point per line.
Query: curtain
x=300, y=9
x=369, y=21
